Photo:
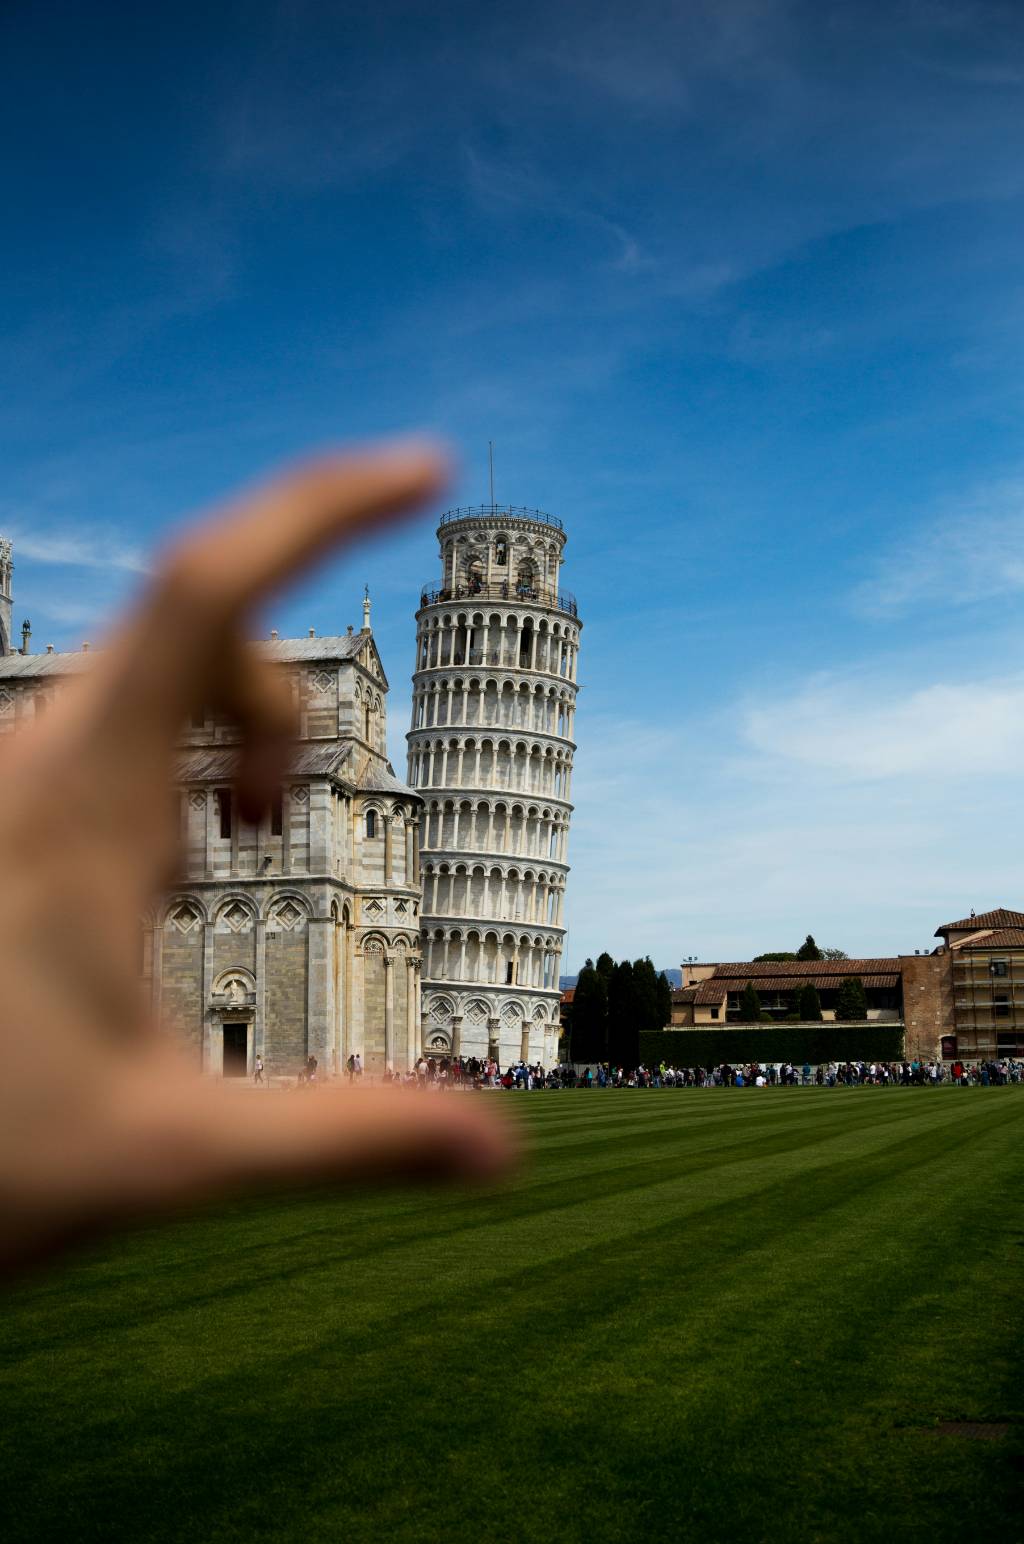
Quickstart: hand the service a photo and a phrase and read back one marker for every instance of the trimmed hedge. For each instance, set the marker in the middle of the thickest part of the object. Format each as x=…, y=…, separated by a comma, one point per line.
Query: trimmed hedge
x=794, y=1043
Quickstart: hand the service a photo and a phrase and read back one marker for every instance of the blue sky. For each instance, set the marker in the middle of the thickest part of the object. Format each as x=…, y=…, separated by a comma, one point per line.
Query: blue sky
x=736, y=288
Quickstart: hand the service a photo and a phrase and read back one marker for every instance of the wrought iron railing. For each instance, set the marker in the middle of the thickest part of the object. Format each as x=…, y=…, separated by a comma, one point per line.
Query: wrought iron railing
x=507, y=590
x=512, y=512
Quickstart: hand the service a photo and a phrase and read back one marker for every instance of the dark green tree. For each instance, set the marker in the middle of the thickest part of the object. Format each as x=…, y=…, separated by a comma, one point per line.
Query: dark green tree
x=623, y=1030
x=851, y=1003
x=775, y=958
x=605, y=968
x=809, y=1006
x=589, y=1030
x=645, y=994
x=808, y=950
x=750, y=1005
x=834, y=954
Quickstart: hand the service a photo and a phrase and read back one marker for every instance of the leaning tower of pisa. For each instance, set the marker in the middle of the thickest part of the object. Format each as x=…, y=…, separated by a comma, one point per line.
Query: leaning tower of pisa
x=490, y=751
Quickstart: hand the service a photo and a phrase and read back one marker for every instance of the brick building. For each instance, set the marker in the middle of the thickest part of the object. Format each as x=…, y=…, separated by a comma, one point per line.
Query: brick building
x=965, y=998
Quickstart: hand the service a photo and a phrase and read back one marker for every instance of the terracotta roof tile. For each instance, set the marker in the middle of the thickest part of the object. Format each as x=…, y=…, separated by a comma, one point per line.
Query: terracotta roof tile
x=986, y=919
x=747, y=970
x=791, y=975
x=1000, y=938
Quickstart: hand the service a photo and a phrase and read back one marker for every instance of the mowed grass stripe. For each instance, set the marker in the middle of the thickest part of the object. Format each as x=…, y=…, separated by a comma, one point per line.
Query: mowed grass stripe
x=722, y=1352
x=543, y=1219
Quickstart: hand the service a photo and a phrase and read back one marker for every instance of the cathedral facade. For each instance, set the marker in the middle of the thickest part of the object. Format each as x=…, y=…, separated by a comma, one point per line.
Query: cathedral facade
x=299, y=936
x=490, y=752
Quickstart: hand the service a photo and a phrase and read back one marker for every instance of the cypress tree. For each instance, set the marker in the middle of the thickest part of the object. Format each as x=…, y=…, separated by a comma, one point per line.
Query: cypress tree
x=750, y=1005
x=809, y=1008
x=623, y=1030
x=808, y=950
x=851, y=1002
x=645, y=995
x=589, y=1016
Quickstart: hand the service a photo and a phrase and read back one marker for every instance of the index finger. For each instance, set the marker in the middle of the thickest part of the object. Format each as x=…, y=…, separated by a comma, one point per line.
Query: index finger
x=273, y=533
x=168, y=653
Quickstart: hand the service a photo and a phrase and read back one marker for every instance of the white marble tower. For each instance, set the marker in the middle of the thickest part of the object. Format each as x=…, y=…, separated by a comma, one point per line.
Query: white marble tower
x=490, y=752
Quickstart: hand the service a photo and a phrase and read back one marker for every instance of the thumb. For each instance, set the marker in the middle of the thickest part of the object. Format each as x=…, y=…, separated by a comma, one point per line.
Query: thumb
x=206, y=1139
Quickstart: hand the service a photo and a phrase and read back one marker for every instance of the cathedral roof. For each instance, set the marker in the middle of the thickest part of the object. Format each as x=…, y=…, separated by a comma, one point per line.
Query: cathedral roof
x=28, y=666
x=380, y=777
x=348, y=646
x=345, y=647
x=310, y=758
x=284, y=650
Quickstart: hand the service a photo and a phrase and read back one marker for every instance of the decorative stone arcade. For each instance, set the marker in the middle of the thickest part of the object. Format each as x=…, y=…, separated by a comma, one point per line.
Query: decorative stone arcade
x=490, y=752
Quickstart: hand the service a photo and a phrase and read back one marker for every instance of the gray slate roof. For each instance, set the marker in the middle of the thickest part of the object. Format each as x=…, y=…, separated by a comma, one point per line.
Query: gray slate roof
x=220, y=762
x=380, y=778
x=285, y=649
x=323, y=758
x=29, y=666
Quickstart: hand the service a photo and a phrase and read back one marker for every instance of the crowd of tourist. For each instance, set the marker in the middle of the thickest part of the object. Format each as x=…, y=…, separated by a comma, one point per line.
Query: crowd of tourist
x=485, y=1072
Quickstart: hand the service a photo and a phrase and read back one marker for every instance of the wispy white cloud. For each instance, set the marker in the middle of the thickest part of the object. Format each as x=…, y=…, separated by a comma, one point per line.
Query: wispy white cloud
x=968, y=550
x=860, y=731
x=77, y=550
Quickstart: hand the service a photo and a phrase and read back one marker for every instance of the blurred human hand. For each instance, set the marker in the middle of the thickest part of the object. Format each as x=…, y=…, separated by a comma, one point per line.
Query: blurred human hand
x=103, y=1119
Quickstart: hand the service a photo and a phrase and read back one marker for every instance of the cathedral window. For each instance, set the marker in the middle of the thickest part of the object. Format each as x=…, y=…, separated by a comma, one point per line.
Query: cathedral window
x=501, y=553
x=224, y=801
x=371, y=823
x=276, y=815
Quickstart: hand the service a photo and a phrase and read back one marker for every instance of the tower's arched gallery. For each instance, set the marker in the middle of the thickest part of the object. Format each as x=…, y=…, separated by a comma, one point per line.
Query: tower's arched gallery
x=490, y=752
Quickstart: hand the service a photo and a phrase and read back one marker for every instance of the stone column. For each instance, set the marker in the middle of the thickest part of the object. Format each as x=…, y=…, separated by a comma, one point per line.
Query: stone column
x=388, y=850
x=204, y=1017
x=210, y=813
x=319, y=993
x=319, y=827
x=410, y=865
x=259, y=1028
x=156, y=961
x=236, y=827
x=286, y=830
x=415, y=1014
x=389, y=1012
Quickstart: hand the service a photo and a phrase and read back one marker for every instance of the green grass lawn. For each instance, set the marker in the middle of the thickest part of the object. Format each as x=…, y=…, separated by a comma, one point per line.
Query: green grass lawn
x=721, y=1315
